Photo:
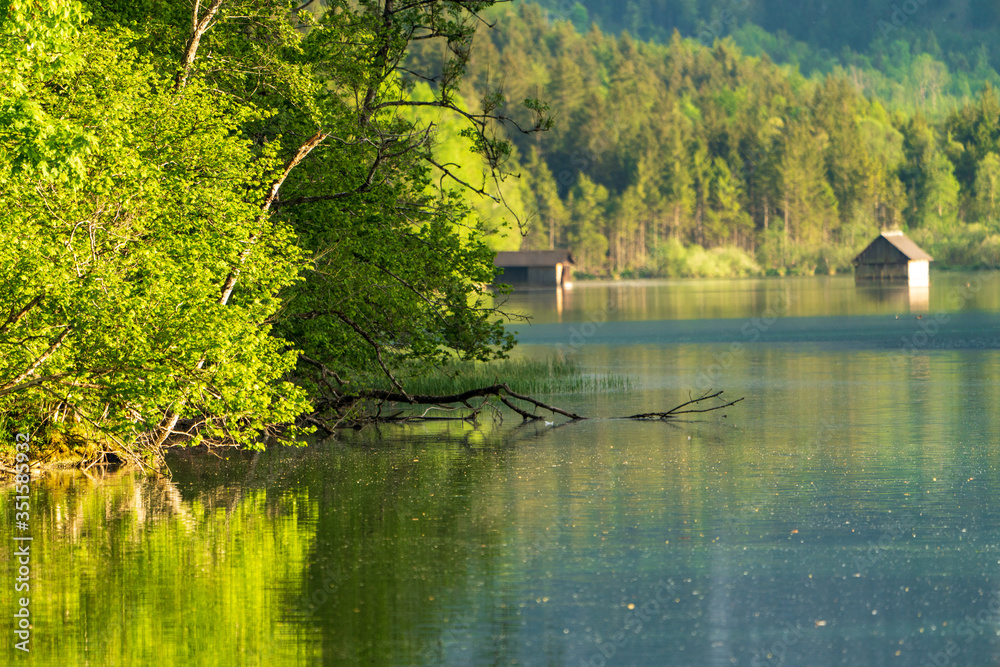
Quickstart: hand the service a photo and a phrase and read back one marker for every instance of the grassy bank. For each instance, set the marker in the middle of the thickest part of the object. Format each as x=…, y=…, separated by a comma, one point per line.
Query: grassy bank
x=525, y=376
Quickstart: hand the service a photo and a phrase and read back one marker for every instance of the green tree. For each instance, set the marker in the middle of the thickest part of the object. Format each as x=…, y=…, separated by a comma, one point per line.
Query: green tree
x=836, y=111
x=969, y=134
x=726, y=218
x=939, y=204
x=987, y=202
x=808, y=204
x=258, y=192
x=548, y=229
x=680, y=192
x=115, y=286
x=587, y=205
x=38, y=43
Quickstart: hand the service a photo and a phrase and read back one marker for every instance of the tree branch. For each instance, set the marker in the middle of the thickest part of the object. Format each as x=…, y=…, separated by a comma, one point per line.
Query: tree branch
x=378, y=353
x=446, y=172
x=198, y=28
x=478, y=118
x=11, y=386
x=673, y=412
x=15, y=316
x=230, y=284
x=504, y=394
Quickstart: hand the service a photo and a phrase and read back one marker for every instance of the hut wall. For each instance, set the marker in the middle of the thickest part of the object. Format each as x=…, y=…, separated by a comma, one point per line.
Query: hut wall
x=535, y=276
x=898, y=271
x=543, y=276
x=919, y=273
x=513, y=274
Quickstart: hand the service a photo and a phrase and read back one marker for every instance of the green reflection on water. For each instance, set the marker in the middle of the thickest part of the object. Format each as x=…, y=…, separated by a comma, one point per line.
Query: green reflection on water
x=127, y=571
x=793, y=297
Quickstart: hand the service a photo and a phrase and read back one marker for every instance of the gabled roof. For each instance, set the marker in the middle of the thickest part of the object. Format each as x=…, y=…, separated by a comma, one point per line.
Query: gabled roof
x=875, y=252
x=533, y=258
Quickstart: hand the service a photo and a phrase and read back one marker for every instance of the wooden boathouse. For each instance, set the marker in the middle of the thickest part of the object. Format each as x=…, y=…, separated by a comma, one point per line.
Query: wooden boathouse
x=893, y=258
x=534, y=268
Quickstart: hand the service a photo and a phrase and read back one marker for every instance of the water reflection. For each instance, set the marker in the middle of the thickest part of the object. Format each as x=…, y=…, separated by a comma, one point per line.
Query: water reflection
x=899, y=298
x=814, y=296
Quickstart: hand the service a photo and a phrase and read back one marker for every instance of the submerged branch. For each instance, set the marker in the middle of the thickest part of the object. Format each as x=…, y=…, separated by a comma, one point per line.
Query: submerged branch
x=674, y=412
x=500, y=391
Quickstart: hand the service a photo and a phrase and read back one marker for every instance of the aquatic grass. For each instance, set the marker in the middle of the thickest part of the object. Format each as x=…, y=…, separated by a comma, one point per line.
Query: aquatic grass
x=525, y=376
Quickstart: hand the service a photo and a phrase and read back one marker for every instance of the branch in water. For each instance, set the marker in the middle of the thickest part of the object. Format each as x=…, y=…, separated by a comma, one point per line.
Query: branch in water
x=673, y=412
x=505, y=395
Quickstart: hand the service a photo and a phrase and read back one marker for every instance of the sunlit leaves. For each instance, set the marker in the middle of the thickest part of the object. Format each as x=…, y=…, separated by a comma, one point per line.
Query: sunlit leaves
x=131, y=258
x=126, y=222
x=38, y=43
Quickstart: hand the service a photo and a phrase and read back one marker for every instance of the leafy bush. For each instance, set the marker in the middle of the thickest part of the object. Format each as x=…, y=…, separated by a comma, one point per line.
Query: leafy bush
x=674, y=260
x=965, y=246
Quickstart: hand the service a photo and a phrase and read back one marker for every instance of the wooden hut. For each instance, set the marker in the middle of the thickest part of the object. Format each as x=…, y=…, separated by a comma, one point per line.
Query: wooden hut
x=534, y=268
x=892, y=258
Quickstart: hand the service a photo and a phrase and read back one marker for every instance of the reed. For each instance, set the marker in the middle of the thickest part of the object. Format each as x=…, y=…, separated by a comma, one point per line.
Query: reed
x=525, y=376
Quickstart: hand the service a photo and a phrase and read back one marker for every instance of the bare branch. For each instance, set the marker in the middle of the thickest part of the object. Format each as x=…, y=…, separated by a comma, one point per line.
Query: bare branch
x=478, y=118
x=539, y=404
x=503, y=393
x=525, y=415
x=447, y=172
x=673, y=412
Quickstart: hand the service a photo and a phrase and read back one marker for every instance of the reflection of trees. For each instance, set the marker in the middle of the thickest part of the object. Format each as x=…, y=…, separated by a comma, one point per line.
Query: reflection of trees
x=81, y=505
x=398, y=537
x=431, y=545
x=131, y=569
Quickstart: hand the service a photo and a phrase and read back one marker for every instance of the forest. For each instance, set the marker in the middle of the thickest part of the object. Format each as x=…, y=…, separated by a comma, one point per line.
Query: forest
x=816, y=34
x=245, y=220
x=693, y=157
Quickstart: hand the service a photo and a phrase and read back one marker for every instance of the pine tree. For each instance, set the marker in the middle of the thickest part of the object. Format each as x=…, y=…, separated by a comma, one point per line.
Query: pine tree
x=987, y=202
x=547, y=230
x=587, y=204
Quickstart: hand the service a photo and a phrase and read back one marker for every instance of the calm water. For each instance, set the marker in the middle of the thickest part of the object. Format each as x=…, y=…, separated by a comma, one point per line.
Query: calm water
x=845, y=513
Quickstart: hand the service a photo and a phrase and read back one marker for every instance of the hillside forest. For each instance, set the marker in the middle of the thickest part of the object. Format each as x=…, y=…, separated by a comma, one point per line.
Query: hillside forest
x=690, y=156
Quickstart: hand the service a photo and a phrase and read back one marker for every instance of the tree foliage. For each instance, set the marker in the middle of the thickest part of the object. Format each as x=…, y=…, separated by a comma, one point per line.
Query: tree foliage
x=210, y=212
x=897, y=45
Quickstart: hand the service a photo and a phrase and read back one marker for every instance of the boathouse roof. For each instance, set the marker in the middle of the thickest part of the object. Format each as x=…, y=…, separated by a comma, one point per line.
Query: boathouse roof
x=533, y=258
x=891, y=247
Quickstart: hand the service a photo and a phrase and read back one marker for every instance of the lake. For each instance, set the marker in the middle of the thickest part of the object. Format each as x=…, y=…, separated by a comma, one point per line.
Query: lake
x=844, y=513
